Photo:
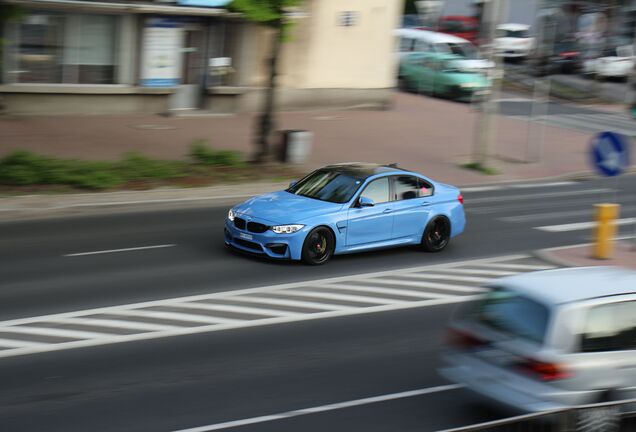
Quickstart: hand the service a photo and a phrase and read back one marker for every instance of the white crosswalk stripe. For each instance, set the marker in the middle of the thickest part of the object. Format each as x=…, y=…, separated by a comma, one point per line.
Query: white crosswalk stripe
x=348, y=295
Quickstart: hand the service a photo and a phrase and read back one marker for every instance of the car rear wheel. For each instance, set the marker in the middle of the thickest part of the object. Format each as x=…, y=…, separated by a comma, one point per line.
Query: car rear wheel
x=318, y=246
x=436, y=235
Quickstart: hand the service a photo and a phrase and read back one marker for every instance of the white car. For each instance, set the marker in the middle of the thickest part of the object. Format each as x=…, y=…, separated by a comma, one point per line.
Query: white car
x=617, y=63
x=412, y=40
x=513, y=41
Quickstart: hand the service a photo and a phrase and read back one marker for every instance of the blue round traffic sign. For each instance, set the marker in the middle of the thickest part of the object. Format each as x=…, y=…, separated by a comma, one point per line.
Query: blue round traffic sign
x=610, y=153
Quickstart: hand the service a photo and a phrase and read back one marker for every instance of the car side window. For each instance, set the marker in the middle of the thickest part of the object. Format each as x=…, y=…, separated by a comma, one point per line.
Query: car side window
x=409, y=187
x=406, y=187
x=610, y=327
x=406, y=45
x=377, y=190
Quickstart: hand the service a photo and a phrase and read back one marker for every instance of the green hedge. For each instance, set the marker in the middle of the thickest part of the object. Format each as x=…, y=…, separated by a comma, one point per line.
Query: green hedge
x=23, y=168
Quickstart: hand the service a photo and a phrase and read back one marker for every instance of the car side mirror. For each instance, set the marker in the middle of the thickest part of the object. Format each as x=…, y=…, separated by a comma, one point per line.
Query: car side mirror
x=292, y=183
x=365, y=202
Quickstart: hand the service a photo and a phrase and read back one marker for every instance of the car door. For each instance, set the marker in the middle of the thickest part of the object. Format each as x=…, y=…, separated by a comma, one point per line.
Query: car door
x=412, y=205
x=368, y=225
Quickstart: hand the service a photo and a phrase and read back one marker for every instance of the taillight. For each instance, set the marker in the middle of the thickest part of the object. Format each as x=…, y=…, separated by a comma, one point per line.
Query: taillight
x=545, y=371
x=462, y=339
x=460, y=198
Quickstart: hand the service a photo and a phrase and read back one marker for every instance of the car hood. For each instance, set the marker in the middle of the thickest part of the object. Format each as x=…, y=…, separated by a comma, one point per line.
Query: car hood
x=474, y=64
x=283, y=207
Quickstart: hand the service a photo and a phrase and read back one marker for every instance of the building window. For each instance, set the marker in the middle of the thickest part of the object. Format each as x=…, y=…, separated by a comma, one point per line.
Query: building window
x=69, y=49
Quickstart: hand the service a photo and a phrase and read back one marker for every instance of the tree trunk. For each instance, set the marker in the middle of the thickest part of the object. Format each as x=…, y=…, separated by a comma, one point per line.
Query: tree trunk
x=266, y=123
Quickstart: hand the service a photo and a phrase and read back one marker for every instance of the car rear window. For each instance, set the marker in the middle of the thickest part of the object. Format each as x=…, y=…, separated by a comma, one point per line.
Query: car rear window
x=511, y=313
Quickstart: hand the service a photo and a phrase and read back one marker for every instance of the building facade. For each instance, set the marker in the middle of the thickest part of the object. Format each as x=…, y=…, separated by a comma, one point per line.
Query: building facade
x=82, y=56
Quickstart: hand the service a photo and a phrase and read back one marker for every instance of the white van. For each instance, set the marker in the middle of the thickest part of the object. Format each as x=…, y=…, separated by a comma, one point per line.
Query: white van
x=412, y=40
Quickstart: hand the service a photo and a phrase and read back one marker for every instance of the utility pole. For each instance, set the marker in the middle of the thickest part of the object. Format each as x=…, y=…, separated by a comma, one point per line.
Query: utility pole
x=486, y=133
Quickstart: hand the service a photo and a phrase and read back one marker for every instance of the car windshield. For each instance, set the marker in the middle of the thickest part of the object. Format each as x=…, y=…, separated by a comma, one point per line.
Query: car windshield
x=513, y=33
x=334, y=186
x=465, y=50
x=457, y=26
x=512, y=314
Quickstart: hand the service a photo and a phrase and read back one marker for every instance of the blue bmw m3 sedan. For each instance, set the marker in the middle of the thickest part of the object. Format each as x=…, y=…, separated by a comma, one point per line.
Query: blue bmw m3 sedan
x=347, y=208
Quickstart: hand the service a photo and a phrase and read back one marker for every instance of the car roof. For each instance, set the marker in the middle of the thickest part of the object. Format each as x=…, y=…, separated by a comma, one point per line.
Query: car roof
x=363, y=170
x=569, y=285
x=430, y=36
x=513, y=27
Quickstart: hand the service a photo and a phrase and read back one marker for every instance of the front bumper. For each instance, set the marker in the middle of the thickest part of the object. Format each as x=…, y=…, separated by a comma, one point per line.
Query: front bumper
x=509, y=390
x=279, y=246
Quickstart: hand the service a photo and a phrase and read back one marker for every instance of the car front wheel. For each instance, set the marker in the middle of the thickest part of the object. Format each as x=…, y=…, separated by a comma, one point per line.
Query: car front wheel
x=318, y=246
x=436, y=235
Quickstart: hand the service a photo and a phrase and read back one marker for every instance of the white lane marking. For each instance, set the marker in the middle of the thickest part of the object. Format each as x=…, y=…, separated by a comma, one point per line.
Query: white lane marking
x=292, y=303
x=331, y=296
x=237, y=309
x=46, y=331
x=520, y=266
x=537, y=185
x=481, y=272
x=523, y=197
x=450, y=277
x=120, y=250
x=175, y=316
x=322, y=408
x=396, y=291
x=103, y=322
x=588, y=212
x=423, y=284
x=221, y=327
x=481, y=189
x=580, y=226
x=10, y=343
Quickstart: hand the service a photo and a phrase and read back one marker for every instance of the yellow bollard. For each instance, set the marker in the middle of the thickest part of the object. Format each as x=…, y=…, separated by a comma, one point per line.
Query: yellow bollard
x=606, y=215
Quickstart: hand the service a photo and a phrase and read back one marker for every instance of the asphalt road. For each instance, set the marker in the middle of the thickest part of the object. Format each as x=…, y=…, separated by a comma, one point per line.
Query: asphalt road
x=209, y=378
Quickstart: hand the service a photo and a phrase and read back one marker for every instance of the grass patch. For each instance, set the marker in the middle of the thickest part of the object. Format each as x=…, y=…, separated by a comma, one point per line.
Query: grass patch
x=26, y=172
x=476, y=166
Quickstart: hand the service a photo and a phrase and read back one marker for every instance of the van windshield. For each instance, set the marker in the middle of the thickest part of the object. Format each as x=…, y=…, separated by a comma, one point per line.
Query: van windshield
x=511, y=313
x=465, y=50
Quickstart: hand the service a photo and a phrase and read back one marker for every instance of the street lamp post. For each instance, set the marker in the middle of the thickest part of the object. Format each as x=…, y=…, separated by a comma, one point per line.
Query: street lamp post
x=486, y=133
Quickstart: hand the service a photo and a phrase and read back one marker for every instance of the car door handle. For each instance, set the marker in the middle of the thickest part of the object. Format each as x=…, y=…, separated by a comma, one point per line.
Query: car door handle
x=426, y=203
x=387, y=211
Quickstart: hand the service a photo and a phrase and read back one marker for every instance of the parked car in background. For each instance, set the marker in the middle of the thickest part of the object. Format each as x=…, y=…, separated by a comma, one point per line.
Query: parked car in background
x=411, y=40
x=567, y=57
x=613, y=63
x=563, y=57
x=548, y=340
x=440, y=74
x=464, y=27
x=513, y=41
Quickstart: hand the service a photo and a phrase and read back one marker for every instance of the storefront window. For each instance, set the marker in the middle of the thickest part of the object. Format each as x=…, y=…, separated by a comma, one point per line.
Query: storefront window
x=71, y=49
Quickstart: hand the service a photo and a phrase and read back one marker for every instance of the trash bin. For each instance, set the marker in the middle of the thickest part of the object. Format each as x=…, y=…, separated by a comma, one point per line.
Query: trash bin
x=295, y=146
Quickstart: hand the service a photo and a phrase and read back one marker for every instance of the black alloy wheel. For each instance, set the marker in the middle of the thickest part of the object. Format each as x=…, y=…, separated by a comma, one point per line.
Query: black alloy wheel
x=437, y=235
x=318, y=247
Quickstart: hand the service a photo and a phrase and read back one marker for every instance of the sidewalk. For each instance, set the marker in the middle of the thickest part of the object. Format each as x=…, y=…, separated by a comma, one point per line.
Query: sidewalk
x=429, y=135
x=581, y=255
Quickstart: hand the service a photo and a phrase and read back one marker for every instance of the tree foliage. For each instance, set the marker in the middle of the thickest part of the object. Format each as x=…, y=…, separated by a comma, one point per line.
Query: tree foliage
x=267, y=12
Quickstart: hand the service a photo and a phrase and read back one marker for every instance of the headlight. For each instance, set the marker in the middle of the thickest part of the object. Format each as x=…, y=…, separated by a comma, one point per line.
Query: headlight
x=230, y=215
x=286, y=229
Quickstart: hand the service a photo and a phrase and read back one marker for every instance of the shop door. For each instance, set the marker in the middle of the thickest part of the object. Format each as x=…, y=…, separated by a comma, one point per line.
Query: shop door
x=189, y=95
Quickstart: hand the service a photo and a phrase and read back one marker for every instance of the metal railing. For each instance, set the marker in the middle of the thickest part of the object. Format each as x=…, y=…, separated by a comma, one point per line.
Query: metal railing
x=618, y=416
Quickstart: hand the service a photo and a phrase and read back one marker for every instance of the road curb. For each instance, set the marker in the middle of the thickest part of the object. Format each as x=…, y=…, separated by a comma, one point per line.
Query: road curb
x=136, y=201
x=547, y=256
